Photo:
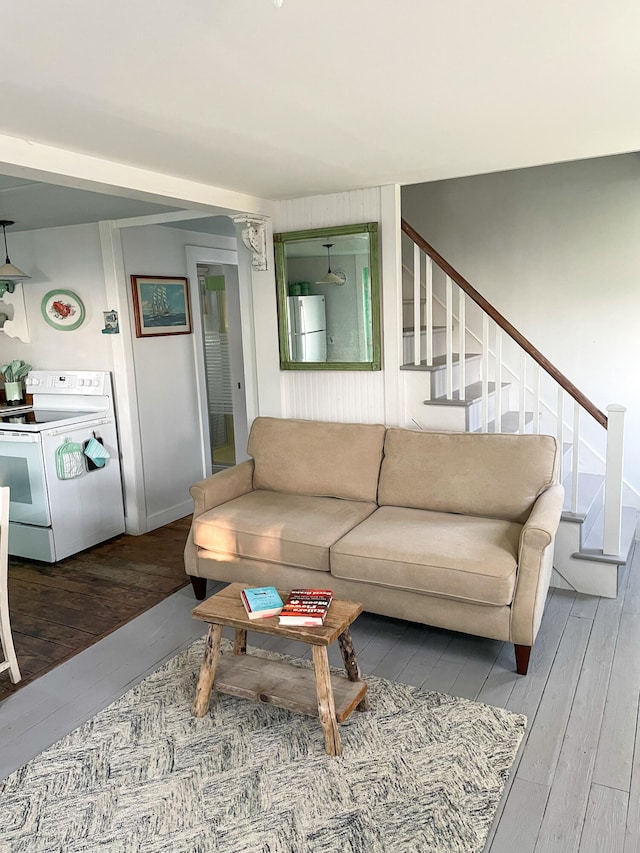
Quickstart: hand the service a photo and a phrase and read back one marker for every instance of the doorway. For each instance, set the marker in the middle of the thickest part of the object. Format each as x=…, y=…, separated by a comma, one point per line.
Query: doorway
x=215, y=309
x=220, y=362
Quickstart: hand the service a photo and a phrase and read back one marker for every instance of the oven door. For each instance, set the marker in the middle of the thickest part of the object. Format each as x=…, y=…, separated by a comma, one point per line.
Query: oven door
x=22, y=469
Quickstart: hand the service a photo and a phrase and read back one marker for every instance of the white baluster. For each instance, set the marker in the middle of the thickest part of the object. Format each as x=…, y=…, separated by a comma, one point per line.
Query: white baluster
x=522, y=392
x=498, y=373
x=417, y=331
x=449, y=340
x=575, y=455
x=536, y=398
x=613, y=482
x=462, y=344
x=560, y=429
x=429, y=307
x=485, y=373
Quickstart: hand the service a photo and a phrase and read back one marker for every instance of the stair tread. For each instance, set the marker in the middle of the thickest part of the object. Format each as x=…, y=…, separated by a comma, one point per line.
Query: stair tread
x=509, y=422
x=409, y=330
x=439, y=362
x=473, y=393
x=592, y=548
x=589, y=488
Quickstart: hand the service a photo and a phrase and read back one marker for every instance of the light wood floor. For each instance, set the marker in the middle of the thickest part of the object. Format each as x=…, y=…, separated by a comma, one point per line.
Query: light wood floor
x=576, y=783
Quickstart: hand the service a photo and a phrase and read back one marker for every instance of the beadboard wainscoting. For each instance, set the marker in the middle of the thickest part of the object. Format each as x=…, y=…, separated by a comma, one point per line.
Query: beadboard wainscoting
x=356, y=397
x=342, y=395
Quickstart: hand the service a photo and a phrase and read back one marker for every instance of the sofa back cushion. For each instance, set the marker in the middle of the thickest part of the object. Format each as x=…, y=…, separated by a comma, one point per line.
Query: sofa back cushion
x=493, y=475
x=317, y=458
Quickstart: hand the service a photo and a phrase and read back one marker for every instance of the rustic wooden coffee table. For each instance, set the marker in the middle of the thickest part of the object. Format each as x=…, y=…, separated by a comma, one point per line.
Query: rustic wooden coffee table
x=315, y=692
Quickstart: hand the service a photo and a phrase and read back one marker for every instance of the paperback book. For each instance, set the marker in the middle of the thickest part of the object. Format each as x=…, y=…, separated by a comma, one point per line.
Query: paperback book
x=306, y=607
x=261, y=602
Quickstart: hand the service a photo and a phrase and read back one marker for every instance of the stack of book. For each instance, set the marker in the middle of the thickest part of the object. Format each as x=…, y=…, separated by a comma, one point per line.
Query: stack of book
x=306, y=607
x=261, y=602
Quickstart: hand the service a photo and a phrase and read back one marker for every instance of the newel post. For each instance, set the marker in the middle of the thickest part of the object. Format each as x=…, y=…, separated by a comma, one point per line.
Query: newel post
x=613, y=480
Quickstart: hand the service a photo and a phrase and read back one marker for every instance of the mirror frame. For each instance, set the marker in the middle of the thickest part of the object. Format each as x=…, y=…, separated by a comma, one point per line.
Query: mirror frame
x=280, y=241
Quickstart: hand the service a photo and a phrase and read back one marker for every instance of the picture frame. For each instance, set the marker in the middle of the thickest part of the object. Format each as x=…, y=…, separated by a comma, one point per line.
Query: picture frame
x=161, y=305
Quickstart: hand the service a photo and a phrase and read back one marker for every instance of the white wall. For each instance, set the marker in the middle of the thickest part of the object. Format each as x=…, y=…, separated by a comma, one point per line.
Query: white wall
x=166, y=381
x=67, y=258
x=555, y=249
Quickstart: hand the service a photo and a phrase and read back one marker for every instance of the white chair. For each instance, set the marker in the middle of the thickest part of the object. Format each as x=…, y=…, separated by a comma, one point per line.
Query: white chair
x=10, y=661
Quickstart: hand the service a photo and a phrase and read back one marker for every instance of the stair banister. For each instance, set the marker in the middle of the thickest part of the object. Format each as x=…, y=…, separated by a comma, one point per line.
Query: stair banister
x=612, y=422
x=511, y=330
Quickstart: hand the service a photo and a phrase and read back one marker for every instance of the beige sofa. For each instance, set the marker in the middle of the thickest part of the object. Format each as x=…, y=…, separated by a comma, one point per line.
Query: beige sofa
x=454, y=530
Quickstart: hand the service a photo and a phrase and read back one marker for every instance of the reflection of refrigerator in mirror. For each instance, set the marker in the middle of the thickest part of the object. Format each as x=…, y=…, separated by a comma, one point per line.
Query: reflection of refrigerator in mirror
x=307, y=328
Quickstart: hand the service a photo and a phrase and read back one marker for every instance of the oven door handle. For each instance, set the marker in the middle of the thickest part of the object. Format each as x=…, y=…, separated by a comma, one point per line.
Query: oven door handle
x=84, y=425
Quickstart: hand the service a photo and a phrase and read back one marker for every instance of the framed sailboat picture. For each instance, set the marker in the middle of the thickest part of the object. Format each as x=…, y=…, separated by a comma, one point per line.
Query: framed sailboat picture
x=161, y=305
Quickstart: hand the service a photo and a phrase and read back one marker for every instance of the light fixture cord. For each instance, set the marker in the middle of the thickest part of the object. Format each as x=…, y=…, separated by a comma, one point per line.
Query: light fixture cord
x=6, y=250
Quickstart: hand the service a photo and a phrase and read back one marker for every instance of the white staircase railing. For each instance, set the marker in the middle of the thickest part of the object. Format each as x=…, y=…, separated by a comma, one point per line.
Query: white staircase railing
x=516, y=380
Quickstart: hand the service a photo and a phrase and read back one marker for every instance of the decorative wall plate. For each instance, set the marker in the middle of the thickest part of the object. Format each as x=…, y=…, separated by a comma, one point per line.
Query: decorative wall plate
x=63, y=309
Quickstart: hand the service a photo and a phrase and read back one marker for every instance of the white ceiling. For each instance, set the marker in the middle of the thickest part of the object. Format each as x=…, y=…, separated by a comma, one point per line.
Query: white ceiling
x=322, y=95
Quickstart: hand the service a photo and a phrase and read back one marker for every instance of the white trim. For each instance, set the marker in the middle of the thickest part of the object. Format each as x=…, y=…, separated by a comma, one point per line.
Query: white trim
x=391, y=297
x=163, y=218
x=124, y=380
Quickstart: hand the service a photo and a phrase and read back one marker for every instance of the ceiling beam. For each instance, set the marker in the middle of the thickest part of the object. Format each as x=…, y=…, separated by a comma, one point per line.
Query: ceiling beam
x=34, y=161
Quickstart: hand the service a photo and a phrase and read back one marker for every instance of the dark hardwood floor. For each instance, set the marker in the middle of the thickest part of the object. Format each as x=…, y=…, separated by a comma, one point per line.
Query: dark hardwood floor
x=61, y=609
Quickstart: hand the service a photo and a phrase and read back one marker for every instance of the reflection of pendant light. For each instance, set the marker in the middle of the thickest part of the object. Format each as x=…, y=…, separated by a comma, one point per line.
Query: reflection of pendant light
x=9, y=274
x=330, y=277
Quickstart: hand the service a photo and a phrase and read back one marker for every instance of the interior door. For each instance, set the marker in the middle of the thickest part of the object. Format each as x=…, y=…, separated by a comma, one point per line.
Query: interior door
x=220, y=371
x=223, y=362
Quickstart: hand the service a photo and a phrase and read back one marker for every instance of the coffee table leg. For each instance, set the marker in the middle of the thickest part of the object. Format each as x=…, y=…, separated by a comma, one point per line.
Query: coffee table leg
x=207, y=671
x=351, y=664
x=240, y=642
x=326, y=705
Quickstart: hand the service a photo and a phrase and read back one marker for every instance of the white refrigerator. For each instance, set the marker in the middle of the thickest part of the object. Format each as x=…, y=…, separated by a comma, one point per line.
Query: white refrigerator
x=307, y=328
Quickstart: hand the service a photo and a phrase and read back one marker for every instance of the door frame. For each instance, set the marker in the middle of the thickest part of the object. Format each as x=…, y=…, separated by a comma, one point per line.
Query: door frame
x=229, y=257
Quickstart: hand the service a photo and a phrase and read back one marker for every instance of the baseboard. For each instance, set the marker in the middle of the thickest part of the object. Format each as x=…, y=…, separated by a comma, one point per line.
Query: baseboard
x=173, y=513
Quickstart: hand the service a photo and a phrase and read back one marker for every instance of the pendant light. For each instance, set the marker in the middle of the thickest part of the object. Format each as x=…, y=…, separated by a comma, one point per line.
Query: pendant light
x=330, y=277
x=9, y=274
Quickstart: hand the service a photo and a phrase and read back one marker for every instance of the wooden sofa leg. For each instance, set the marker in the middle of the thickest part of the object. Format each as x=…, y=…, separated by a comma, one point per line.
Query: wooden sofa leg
x=522, y=659
x=199, y=587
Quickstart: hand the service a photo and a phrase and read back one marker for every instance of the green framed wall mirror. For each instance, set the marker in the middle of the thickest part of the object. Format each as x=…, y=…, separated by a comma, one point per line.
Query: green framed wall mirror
x=328, y=290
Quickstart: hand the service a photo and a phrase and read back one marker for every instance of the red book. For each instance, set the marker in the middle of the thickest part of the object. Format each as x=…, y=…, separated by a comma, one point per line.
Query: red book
x=306, y=607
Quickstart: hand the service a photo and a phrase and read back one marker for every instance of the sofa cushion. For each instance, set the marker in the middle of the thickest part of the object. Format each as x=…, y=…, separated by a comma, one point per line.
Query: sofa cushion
x=316, y=458
x=480, y=474
x=463, y=557
x=280, y=528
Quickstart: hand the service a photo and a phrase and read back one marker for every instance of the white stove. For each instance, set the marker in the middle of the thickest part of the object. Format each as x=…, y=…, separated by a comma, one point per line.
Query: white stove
x=53, y=516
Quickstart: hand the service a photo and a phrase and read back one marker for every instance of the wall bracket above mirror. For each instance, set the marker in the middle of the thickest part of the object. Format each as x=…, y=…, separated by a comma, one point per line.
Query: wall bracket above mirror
x=328, y=290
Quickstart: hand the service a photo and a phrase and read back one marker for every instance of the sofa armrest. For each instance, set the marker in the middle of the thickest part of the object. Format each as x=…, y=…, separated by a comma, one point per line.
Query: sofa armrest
x=541, y=526
x=535, y=562
x=222, y=487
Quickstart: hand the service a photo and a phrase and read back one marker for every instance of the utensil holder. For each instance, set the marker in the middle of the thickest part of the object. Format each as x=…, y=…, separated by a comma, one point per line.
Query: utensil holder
x=13, y=392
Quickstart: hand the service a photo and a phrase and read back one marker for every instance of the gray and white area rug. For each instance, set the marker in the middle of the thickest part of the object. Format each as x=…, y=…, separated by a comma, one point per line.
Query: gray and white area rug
x=421, y=773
